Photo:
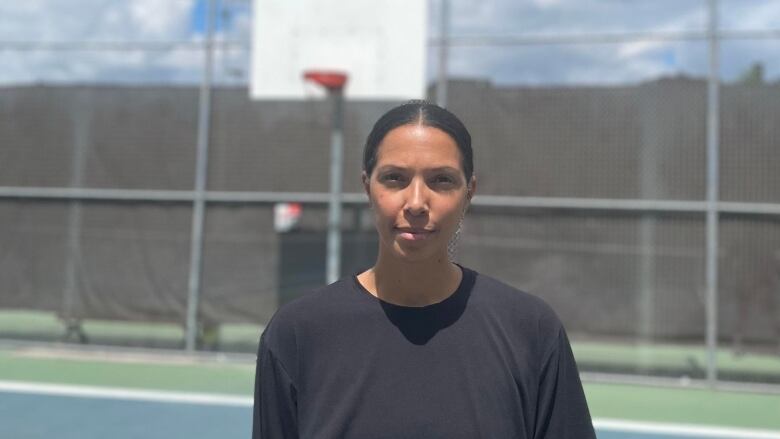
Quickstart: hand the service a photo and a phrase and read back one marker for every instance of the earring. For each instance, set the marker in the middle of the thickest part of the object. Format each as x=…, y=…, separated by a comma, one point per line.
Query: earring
x=452, y=246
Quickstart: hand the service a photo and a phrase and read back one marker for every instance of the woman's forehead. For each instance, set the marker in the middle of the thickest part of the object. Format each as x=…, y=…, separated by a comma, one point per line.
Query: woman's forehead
x=418, y=145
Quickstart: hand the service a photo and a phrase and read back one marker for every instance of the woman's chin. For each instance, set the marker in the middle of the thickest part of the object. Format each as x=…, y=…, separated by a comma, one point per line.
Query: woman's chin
x=414, y=252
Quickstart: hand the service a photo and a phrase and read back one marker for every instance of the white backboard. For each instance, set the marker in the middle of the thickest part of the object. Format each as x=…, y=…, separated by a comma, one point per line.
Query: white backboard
x=380, y=44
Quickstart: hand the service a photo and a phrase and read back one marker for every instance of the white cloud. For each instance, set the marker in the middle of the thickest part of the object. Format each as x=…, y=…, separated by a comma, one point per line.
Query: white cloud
x=159, y=18
x=546, y=3
x=690, y=19
x=99, y=21
x=557, y=16
x=750, y=14
x=58, y=20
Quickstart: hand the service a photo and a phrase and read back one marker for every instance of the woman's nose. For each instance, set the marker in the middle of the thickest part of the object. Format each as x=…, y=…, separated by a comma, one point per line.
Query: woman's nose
x=417, y=199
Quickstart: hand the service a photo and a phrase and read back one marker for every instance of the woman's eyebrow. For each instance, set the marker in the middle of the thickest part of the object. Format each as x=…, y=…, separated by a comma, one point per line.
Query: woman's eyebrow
x=391, y=168
x=444, y=169
x=403, y=168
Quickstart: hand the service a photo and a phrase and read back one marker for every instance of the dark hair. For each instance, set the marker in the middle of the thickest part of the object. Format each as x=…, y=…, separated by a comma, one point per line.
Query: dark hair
x=424, y=113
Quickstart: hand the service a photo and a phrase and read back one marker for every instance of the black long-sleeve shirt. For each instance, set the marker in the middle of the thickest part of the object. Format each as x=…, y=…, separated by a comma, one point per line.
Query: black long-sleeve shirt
x=487, y=362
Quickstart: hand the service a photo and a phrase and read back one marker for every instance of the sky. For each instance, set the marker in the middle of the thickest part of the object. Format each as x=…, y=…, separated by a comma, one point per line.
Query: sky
x=574, y=64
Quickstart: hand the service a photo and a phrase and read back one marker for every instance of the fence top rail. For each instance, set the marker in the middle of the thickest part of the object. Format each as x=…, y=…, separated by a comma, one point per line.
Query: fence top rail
x=601, y=37
x=520, y=202
x=475, y=40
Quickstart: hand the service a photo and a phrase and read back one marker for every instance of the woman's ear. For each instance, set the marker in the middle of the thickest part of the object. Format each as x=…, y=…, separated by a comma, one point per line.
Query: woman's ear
x=366, y=179
x=471, y=188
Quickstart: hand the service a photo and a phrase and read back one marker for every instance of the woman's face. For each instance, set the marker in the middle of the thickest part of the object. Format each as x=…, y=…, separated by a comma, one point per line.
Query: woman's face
x=418, y=192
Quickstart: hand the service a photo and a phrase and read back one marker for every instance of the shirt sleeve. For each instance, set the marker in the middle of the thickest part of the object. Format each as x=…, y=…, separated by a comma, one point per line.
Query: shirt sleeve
x=562, y=411
x=275, y=405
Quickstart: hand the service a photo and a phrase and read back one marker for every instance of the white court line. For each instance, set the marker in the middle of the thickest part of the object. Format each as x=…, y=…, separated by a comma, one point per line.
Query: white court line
x=684, y=429
x=125, y=394
x=246, y=401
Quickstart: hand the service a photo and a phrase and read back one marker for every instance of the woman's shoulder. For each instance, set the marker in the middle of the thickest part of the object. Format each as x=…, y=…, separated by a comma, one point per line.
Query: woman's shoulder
x=312, y=309
x=313, y=303
x=514, y=303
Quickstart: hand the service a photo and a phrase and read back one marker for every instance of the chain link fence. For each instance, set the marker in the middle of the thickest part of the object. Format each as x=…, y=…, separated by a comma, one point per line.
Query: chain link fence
x=626, y=154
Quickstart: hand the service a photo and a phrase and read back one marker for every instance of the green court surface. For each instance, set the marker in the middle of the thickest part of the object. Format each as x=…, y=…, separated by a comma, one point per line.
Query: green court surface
x=675, y=359
x=679, y=359
x=42, y=326
x=132, y=371
x=684, y=406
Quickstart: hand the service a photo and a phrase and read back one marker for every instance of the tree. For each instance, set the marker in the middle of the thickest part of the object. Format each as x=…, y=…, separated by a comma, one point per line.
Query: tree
x=754, y=75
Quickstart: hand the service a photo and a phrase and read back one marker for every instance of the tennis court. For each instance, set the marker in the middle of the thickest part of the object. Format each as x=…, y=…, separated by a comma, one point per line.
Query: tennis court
x=99, y=391
x=43, y=410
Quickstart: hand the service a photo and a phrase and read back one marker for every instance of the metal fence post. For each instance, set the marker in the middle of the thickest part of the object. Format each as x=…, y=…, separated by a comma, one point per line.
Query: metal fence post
x=82, y=121
x=201, y=167
x=441, y=79
x=649, y=189
x=333, y=262
x=333, y=81
x=713, y=127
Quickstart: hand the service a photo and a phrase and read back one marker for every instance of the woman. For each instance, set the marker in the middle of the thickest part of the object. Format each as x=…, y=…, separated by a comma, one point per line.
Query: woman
x=417, y=346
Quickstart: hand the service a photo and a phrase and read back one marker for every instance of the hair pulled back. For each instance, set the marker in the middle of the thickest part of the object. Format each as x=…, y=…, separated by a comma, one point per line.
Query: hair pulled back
x=426, y=114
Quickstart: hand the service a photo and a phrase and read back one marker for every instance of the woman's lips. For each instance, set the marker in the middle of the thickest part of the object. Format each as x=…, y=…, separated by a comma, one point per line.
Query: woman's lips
x=414, y=234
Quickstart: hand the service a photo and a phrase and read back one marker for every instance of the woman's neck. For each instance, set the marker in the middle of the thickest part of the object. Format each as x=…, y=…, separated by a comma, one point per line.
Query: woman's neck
x=417, y=283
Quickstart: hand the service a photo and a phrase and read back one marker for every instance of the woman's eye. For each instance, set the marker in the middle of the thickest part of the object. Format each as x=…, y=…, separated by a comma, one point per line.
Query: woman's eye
x=443, y=179
x=392, y=178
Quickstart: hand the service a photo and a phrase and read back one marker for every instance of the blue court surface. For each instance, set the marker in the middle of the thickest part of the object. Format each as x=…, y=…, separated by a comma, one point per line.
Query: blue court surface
x=42, y=411
x=67, y=417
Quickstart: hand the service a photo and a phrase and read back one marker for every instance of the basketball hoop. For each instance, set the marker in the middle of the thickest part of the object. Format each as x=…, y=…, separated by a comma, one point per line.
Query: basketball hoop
x=331, y=80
